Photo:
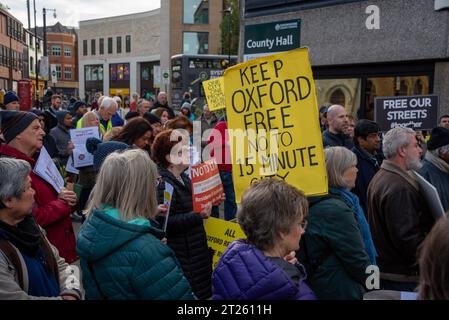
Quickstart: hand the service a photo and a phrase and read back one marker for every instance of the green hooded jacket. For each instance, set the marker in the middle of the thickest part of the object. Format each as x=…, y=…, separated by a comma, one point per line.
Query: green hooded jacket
x=129, y=260
x=333, y=233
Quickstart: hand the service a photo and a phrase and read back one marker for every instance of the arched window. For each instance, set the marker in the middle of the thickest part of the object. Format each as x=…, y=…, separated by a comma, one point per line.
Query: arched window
x=338, y=97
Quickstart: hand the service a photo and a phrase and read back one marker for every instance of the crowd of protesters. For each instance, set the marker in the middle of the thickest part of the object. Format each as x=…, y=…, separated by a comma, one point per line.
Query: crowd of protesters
x=131, y=246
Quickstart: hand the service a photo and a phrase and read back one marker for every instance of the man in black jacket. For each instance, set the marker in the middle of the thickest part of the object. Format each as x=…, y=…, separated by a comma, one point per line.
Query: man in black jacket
x=338, y=121
x=50, y=114
x=162, y=102
x=369, y=159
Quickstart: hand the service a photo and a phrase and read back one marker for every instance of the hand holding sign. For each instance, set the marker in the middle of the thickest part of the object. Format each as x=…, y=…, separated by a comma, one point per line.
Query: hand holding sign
x=68, y=196
x=207, y=210
x=162, y=210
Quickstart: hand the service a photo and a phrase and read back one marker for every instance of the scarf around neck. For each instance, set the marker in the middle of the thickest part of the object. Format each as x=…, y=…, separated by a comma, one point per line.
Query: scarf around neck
x=353, y=201
x=26, y=235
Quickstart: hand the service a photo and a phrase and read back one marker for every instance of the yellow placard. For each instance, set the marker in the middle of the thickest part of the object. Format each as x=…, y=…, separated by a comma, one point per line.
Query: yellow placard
x=273, y=122
x=220, y=234
x=214, y=90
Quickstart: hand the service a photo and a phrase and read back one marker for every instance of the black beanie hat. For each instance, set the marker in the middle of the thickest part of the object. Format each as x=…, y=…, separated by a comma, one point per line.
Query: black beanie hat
x=132, y=114
x=15, y=122
x=439, y=137
x=77, y=105
x=151, y=118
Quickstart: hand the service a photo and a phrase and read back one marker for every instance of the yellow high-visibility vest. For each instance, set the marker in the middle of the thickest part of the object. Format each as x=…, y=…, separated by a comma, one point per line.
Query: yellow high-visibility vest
x=79, y=124
x=108, y=127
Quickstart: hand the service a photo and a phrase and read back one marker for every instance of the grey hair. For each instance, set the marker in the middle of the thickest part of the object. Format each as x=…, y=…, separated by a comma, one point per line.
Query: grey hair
x=13, y=173
x=395, y=138
x=338, y=160
x=126, y=182
x=107, y=103
x=444, y=150
x=260, y=215
x=140, y=101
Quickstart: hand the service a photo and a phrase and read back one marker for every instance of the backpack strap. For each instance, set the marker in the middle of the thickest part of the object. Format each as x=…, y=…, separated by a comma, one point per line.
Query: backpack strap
x=13, y=257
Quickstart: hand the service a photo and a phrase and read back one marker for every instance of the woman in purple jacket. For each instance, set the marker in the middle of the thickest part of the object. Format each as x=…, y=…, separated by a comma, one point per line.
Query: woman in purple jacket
x=263, y=266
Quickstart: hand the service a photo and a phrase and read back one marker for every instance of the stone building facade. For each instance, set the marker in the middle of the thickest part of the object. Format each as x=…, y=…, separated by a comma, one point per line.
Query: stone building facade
x=117, y=55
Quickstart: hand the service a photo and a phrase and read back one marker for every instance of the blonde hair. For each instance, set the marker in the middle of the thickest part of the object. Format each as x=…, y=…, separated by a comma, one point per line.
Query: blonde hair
x=126, y=182
x=112, y=134
x=88, y=118
x=338, y=160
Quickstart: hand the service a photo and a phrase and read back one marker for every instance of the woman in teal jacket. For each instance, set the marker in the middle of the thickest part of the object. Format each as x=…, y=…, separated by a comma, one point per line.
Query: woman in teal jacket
x=121, y=250
x=337, y=244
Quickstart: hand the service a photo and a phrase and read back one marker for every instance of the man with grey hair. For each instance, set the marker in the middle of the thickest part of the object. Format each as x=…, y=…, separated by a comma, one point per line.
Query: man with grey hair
x=397, y=211
x=338, y=122
x=106, y=111
x=144, y=105
x=162, y=102
x=436, y=163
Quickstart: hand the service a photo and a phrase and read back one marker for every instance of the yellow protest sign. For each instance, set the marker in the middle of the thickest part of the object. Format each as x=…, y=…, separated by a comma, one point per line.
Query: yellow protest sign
x=220, y=234
x=214, y=90
x=273, y=122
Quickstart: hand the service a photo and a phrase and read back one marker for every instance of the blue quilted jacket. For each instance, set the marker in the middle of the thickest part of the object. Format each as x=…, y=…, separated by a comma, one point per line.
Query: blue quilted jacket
x=245, y=273
x=129, y=261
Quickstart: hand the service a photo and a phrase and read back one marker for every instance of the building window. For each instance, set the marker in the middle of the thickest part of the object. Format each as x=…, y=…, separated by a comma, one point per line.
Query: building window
x=31, y=64
x=58, y=72
x=67, y=52
x=119, y=72
x=101, y=46
x=55, y=50
x=93, y=73
x=128, y=44
x=84, y=47
x=338, y=97
x=92, y=47
x=339, y=91
x=119, y=44
x=196, y=43
x=109, y=45
x=68, y=72
x=196, y=11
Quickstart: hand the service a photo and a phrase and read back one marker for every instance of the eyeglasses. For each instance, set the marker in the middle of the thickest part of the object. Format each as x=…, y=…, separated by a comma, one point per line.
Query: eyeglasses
x=303, y=225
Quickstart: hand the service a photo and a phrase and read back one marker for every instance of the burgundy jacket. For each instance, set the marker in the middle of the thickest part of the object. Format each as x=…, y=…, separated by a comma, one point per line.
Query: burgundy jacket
x=51, y=213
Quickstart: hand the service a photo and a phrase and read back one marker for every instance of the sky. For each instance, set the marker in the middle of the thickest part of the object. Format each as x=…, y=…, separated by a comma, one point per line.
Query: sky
x=69, y=12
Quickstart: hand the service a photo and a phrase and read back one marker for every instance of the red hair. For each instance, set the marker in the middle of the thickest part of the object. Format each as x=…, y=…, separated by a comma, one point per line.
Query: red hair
x=162, y=146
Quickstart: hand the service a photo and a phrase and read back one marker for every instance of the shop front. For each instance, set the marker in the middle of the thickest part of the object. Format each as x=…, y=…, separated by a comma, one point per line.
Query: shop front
x=119, y=81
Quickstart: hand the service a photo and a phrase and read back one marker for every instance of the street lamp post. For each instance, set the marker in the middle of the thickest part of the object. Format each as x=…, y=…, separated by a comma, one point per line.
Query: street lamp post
x=44, y=13
x=36, y=71
x=229, y=12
